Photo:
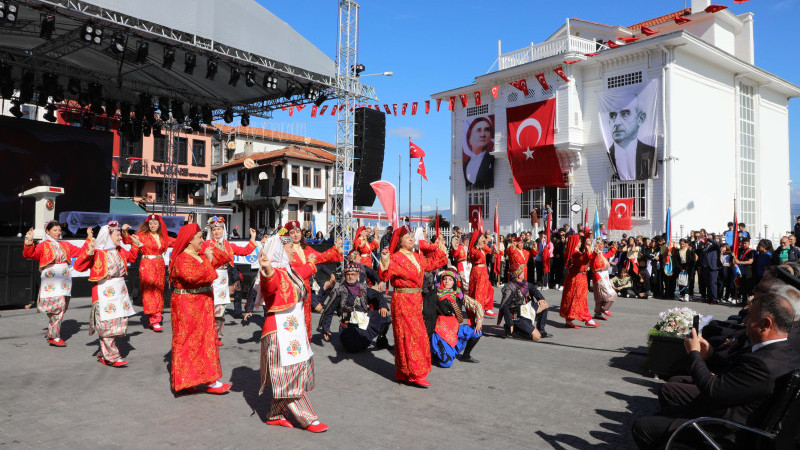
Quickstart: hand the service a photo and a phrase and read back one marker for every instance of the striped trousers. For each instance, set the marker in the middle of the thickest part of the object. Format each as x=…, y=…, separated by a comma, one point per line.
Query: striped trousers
x=55, y=307
x=106, y=331
x=219, y=317
x=289, y=384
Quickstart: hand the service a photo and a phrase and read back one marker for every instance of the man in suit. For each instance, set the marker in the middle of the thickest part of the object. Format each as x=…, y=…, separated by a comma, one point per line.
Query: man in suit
x=631, y=158
x=708, y=259
x=740, y=392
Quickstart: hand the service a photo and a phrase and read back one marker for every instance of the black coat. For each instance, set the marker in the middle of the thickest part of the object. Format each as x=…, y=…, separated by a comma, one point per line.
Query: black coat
x=485, y=177
x=678, y=267
x=708, y=256
x=645, y=160
x=794, y=255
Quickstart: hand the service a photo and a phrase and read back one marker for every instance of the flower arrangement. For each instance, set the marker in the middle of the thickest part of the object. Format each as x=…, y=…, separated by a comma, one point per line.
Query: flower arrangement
x=675, y=320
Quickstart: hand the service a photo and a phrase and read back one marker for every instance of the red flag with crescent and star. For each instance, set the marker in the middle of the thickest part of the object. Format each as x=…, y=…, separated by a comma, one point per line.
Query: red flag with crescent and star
x=414, y=108
x=561, y=73
x=531, y=152
x=495, y=90
x=619, y=218
x=428, y=106
x=477, y=95
x=476, y=217
x=415, y=151
x=464, y=101
x=421, y=168
x=405, y=107
x=522, y=85
x=542, y=81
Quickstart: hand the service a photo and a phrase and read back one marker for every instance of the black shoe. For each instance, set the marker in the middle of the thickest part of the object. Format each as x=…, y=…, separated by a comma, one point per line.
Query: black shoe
x=468, y=359
x=382, y=342
x=545, y=335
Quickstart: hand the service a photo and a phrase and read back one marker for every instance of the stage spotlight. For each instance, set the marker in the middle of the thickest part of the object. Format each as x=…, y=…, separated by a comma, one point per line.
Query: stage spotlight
x=211, y=69
x=207, y=114
x=358, y=68
x=118, y=42
x=142, y=50
x=189, y=63
x=270, y=82
x=74, y=86
x=227, y=116
x=42, y=98
x=236, y=73
x=87, y=119
x=177, y=112
x=48, y=22
x=250, y=78
x=50, y=115
x=321, y=99
x=245, y=119
x=16, y=110
x=26, y=87
x=311, y=93
x=51, y=88
x=169, y=58
x=92, y=33
x=163, y=106
x=9, y=11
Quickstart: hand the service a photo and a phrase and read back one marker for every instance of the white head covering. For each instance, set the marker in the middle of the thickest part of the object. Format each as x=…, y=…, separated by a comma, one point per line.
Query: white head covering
x=217, y=222
x=419, y=234
x=47, y=236
x=276, y=253
x=103, y=240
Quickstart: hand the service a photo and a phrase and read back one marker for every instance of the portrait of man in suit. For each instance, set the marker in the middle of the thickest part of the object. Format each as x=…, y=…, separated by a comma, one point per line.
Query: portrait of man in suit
x=478, y=162
x=628, y=122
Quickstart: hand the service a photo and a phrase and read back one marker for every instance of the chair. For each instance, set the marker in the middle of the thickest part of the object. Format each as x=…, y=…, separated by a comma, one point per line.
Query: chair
x=778, y=428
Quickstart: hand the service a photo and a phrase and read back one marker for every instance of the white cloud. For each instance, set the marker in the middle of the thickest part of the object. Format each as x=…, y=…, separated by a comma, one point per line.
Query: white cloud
x=428, y=208
x=406, y=132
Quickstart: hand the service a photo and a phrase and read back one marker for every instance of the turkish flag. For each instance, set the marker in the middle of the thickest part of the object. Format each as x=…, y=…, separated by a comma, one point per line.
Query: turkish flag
x=427, y=106
x=522, y=85
x=421, y=168
x=681, y=20
x=451, y=103
x=464, y=101
x=334, y=109
x=394, y=108
x=323, y=109
x=415, y=151
x=438, y=103
x=495, y=90
x=497, y=260
x=648, y=32
x=476, y=217
x=414, y=109
x=561, y=73
x=477, y=97
x=291, y=111
x=628, y=40
x=531, y=152
x=300, y=107
x=314, y=111
x=405, y=106
x=386, y=193
x=388, y=110
x=542, y=81
x=612, y=44
x=619, y=218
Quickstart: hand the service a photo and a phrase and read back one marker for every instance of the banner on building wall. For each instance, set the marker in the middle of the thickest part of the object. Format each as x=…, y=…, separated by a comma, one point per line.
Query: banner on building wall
x=531, y=153
x=630, y=121
x=349, y=176
x=477, y=148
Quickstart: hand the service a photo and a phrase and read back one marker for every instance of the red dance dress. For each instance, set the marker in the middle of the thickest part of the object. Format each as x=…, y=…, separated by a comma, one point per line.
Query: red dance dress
x=300, y=257
x=195, y=354
x=517, y=258
x=364, y=248
x=412, y=349
x=479, y=286
x=574, y=303
x=459, y=254
x=151, y=273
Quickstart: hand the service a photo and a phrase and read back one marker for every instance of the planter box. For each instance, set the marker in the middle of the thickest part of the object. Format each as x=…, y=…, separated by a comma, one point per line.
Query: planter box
x=664, y=352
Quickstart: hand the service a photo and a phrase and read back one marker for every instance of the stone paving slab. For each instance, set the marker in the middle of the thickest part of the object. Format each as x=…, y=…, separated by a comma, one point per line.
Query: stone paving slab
x=580, y=389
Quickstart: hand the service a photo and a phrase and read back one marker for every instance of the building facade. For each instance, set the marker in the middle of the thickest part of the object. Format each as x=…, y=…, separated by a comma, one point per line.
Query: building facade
x=720, y=125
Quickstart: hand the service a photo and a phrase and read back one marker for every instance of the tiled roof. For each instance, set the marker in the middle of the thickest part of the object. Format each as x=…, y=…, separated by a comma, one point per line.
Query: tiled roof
x=293, y=151
x=660, y=20
x=274, y=135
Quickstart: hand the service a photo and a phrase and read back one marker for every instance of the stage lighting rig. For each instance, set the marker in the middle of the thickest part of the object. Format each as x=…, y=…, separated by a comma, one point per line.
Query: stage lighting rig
x=51, y=88
x=177, y=112
x=50, y=115
x=311, y=93
x=207, y=114
x=9, y=11
x=245, y=119
x=92, y=33
x=163, y=106
x=321, y=99
x=358, y=68
x=227, y=116
x=291, y=90
x=270, y=82
x=142, y=50
x=169, y=58
x=16, y=110
x=189, y=63
x=250, y=78
x=236, y=73
x=118, y=43
x=48, y=25
x=211, y=69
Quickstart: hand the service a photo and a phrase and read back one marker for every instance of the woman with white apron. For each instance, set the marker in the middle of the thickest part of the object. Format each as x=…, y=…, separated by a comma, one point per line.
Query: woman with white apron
x=111, y=305
x=604, y=293
x=287, y=366
x=55, y=290
x=217, y=233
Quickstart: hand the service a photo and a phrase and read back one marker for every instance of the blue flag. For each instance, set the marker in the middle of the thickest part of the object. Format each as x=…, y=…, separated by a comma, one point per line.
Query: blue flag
x=668, y=256
x=596, y=226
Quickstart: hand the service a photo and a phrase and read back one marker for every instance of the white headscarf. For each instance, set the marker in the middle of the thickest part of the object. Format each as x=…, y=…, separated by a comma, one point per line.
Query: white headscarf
x=103, y=240
x=276, y=253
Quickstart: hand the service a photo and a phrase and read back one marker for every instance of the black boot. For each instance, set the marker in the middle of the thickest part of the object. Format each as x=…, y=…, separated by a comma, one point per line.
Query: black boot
x=382, y=342
x=465, y=357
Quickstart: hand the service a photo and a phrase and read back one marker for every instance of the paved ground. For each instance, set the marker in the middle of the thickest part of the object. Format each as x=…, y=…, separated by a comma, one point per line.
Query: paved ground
x=580, y=389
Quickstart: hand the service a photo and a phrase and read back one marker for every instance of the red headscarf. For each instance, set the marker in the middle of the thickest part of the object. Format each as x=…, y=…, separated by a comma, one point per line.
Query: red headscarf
x=185, y=235
x=572, y=241
x=358, y=232
x=162, y=228
x=473, y=239
x=396, y=236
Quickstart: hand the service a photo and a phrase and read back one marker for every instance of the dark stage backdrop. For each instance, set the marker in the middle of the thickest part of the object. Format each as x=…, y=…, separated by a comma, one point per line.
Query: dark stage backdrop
x=77, y=159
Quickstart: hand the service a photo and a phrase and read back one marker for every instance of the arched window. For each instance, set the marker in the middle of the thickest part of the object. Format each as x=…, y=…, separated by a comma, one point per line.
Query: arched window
x=636, y=189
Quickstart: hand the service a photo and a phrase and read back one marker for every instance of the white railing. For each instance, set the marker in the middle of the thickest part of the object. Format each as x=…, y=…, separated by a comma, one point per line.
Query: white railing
x=547, y=49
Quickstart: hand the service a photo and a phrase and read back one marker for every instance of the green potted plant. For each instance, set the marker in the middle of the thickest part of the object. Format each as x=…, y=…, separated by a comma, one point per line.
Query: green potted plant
x=665, y=340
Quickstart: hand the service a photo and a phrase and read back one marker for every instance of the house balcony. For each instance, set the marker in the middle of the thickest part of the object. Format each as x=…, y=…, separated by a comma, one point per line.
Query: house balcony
x=269, y=190
x=535, y=52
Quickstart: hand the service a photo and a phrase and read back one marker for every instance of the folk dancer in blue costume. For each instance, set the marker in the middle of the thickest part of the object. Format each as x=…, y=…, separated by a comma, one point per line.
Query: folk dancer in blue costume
x=451, y=337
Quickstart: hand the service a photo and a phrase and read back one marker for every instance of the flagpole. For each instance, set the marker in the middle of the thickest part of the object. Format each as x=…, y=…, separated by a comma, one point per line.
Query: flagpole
x=409, y=181
x=399, y=182
x=420, y=198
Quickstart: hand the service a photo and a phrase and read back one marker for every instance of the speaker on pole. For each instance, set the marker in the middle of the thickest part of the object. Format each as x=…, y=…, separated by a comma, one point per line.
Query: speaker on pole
x=369, y=143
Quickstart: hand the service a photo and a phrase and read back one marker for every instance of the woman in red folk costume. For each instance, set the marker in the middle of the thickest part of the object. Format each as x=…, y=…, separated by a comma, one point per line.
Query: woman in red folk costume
x=604, y=293
x=56, y=288
x=458, y=253
x=218, y=235
x=287, y=366
x=479, y=286
x=304, y=254
x=574, y=304
x=107, y=263
x=363, y=247
x=406, y=270
x=152, y=233
x=195, y=353
x=518, y=257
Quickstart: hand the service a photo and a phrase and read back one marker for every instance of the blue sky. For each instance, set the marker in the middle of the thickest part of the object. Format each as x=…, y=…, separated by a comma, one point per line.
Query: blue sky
x=432, y=46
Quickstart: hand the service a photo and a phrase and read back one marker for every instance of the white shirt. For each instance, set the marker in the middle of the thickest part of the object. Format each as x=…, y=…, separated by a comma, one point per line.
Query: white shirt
x=766, y=343
x=473, y=165
x=625, y=158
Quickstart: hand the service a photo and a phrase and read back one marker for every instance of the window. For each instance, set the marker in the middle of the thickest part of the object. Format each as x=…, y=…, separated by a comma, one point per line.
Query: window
x=198, y=153
x=295, y=177
x=637, y=190
x=563, y=204
x=625, y=79
x=180, y=150
x=529, y=200
x=747, y=155
x=478, y=198
x=223, y=183
x=183, y=191
x=292, y=212
x=160, y=149
x=306, y=176
x=317, y=178
x=308, y=217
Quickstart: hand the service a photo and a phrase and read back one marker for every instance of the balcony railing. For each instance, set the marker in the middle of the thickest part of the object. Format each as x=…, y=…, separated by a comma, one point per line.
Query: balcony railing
x=547, y=49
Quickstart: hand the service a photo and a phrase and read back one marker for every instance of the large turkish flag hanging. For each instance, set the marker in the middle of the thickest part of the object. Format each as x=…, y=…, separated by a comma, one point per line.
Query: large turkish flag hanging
x=619, y=218
x=531, y=152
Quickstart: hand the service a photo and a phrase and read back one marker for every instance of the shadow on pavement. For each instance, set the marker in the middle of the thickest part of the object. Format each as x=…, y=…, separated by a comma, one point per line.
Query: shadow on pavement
x=71, y=327
x=248, y=381
x=567, y=441
x=365, y=359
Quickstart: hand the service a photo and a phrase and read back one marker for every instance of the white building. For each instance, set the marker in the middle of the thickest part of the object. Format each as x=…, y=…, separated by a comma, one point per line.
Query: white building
x=724, y=131
x=274, y=177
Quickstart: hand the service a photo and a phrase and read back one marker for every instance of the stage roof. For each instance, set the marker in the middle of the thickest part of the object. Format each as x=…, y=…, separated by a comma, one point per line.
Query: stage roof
x=235, y=33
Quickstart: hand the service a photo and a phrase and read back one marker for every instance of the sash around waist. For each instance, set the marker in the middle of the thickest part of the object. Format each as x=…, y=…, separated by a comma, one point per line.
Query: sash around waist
x=199, y=290
x=152, y=256
x=408, y=290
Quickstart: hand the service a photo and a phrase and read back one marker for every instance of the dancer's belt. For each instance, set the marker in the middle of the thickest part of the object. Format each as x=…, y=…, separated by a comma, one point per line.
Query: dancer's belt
x=199, y=290
x=408, y=290
x=152, y=256
x=366, y=255
x=479, y=265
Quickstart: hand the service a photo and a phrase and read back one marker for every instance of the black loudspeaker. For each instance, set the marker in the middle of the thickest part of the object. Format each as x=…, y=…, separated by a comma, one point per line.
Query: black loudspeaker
x=369, y=142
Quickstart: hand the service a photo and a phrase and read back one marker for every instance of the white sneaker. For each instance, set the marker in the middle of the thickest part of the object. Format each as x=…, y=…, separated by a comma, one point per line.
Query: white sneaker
x=543, y=288
x=685, y=298
x=560, y=288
